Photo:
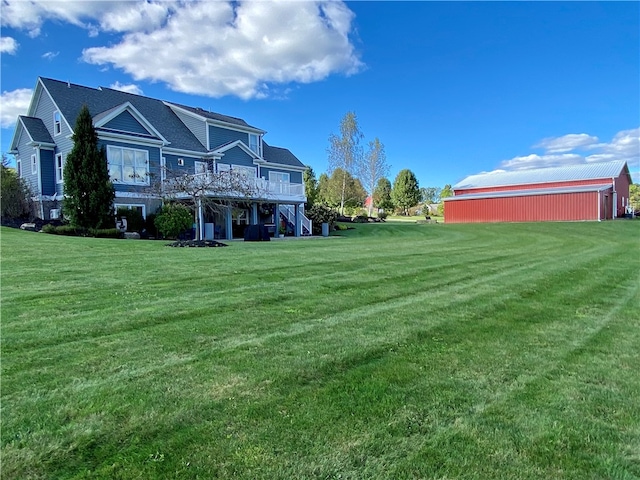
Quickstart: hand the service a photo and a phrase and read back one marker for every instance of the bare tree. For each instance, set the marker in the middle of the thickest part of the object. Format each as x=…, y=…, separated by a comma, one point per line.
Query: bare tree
x=372, y=168
x=345, y=151
x=208, y=192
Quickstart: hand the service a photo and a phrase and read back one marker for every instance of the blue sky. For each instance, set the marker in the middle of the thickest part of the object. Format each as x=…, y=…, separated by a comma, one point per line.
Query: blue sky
x=450, y=88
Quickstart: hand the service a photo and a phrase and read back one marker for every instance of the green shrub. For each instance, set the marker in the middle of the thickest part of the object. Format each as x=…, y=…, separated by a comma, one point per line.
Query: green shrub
x=319, y=214
x=68, y=230
x=135, y=220
x=48, y=228
x=382, y=215
x=173, y=219
x=106, y=233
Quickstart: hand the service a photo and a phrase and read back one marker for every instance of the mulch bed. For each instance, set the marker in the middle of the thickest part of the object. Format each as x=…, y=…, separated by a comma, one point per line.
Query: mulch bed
x=196, y=243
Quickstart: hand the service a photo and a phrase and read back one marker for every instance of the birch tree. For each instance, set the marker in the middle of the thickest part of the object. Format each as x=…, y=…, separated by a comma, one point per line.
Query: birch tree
x=372, y=168
x=345, y=152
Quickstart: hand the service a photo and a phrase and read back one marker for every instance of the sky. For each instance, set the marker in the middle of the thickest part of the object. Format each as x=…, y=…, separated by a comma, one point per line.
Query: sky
x=450, y=88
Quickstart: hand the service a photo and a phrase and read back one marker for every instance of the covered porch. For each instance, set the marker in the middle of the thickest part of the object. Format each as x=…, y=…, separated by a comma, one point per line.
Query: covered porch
x=228, y=222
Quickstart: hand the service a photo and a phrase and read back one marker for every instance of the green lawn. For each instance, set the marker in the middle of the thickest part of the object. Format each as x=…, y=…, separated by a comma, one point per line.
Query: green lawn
x=396, y=351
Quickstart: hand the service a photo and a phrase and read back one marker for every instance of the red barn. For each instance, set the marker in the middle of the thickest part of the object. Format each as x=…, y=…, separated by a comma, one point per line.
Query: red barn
x=593, y=191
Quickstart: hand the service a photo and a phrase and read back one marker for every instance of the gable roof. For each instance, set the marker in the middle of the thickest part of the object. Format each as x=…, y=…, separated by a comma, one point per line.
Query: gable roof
x=280, y=155
x=69, y=99
x=589, y=171
x=155, y=115
x=35, y=129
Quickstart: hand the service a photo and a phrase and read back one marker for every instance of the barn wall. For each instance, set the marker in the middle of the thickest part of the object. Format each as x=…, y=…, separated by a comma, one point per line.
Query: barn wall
x=622, y=189
x=533, y=186
x=536, y=208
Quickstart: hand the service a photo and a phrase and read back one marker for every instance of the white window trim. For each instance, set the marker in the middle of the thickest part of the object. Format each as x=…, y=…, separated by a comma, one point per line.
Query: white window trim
x=34, y=164
x=243, y=168
x=288, y=177
x=57, y=123
x=199, y=165
x=116, y=206
x=124, y=182
x=258, y=150
x=19, y=167
x=59, y=168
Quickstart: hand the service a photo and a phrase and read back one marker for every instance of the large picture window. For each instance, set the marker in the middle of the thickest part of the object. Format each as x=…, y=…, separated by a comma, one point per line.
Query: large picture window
x=128, y=165
x=279, y=177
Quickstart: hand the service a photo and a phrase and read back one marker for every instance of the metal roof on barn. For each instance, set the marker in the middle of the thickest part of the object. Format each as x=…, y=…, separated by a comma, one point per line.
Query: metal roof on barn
x=589, y=171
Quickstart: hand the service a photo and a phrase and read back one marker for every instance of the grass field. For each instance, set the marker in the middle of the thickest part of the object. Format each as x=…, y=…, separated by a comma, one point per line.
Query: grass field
x=396, y=351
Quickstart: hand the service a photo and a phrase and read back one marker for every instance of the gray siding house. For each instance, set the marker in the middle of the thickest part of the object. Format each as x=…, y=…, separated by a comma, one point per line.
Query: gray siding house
x=144, y=139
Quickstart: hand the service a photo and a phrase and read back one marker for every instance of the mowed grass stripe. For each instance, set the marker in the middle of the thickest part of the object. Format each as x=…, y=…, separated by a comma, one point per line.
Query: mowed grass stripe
x=416, y=390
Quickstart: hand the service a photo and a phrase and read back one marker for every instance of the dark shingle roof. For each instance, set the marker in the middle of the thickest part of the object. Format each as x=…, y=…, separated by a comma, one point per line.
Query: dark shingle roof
x=280, y=155
x=36, y=129
x=215, y=116
x=70, y=98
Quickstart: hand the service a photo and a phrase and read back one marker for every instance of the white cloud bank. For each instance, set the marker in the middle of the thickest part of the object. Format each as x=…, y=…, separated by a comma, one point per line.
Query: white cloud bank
x=560, y=151
x=212, y=48
x=14, y=103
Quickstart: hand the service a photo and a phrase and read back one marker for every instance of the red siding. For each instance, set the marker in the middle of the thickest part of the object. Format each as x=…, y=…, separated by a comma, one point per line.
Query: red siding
x=622, y=189
x=535, y=208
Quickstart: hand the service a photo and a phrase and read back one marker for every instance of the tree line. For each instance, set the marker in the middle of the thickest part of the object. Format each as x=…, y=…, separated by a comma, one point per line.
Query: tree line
x=357, y=176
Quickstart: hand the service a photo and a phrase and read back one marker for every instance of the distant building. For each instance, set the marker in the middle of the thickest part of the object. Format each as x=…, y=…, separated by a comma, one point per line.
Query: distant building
x=594, y=191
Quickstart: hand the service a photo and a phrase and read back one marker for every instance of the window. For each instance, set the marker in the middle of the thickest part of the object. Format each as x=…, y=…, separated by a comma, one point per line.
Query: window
x=57, y=123
x=140, y=208
x=247, y=172
x=254, y=143
x=127, y=165
x=19, y=167
x=200, y=167
x=279, y=177
x=34, y=164
x=223, y=167
x=59, y=168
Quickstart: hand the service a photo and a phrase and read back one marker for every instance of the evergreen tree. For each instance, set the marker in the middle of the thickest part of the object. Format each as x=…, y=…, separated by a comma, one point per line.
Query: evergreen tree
x=405, y=192
x=382, y=195
x=310, y=187
x=89, y=193
x=15, y=197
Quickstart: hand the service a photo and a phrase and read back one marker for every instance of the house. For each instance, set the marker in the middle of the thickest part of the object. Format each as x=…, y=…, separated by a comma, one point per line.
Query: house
x=146, y=140
x=593, y=191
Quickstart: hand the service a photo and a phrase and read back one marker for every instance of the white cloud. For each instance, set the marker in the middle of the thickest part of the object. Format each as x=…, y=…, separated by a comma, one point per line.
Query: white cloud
x=625, y=145
x=214, y=48
x=239, y=49
x=12, y=104
x=50, y=55
x=8, y=45
x=32, y=14
x=566, y=143
x=129, y=88
x=138, y=16
x=540, y=161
